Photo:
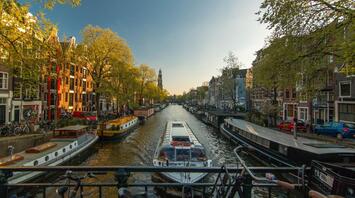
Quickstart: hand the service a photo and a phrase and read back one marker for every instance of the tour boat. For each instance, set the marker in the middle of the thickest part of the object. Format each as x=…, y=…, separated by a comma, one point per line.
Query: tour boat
x=118, y=128
x=66, y=143
x=282, y=148
x=178, y=147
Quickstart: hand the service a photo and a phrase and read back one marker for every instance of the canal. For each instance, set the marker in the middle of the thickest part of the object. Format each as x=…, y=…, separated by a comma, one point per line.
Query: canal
x=139, y=147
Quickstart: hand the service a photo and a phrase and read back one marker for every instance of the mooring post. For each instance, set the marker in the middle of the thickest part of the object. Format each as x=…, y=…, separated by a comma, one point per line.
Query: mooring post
x=4, y=175
x=247, y=186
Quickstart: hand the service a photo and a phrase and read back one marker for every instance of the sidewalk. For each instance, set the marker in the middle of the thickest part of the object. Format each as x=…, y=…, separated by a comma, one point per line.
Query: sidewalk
x=345, y=142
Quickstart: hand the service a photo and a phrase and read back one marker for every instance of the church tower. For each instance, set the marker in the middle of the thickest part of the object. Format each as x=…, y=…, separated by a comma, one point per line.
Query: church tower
x=160, y=80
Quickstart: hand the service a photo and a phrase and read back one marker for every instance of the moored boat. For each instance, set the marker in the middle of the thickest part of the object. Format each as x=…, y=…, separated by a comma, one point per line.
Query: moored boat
x=66, y=143
x=281, y=147
x=331, y=179
x=178, y=147
x=118, y=128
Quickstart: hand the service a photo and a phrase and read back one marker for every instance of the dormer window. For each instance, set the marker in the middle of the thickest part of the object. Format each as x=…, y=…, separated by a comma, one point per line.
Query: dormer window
x=345, y=89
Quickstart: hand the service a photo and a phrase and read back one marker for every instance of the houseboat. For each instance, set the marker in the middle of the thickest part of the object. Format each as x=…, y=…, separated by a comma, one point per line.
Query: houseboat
x=66, y=144
x=282, y=148
x=178, y=147
x=117, y=129
x=143, y=113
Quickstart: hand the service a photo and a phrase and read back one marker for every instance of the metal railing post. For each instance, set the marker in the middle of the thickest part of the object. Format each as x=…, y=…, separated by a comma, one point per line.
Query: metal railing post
x=4, y=175
x=247, y=186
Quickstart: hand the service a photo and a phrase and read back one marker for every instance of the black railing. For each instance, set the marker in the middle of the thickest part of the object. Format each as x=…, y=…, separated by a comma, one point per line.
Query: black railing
x=238, y=179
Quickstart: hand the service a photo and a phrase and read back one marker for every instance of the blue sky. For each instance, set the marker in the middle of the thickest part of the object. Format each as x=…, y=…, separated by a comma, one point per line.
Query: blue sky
x=187, y=39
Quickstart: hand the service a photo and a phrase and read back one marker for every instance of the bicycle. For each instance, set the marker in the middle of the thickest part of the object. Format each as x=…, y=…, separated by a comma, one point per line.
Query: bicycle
x=66, y=189
x=8, y=130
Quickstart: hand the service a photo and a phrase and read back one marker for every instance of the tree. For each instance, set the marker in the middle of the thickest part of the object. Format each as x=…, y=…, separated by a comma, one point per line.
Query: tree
x=147, y=75
x=322, y=19
x=229, y=74
x=101, y=49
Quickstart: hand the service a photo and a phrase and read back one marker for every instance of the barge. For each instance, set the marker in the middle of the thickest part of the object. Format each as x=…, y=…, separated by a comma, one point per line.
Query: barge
x=178, y=147
x=118, y=129
x=66, y=144
x=282, y=148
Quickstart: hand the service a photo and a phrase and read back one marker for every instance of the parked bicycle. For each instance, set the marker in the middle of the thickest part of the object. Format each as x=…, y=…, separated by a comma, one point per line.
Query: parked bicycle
x=72, y=192
x=8, y=130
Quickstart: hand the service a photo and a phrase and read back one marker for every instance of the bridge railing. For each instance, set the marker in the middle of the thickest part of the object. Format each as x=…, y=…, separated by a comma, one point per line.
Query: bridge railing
x=120, y=175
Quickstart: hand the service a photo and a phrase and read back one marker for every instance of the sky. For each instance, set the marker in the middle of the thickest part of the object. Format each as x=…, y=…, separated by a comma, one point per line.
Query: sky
x=186, y=39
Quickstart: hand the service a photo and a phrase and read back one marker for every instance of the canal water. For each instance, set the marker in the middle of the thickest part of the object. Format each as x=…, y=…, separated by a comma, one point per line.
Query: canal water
x=139, y=147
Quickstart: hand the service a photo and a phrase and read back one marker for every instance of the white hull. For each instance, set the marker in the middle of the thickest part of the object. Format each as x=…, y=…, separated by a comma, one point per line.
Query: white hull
x=26, y=176
x=184, y=177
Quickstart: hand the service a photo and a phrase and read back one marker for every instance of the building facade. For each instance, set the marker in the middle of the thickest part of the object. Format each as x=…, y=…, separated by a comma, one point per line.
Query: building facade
x=344, y=96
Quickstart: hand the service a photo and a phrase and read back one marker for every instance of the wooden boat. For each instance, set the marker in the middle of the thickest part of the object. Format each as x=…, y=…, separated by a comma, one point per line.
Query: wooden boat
x=118, y=128
x=283, y=148
x=331, y=179
x=178, y=147
x=66, y=144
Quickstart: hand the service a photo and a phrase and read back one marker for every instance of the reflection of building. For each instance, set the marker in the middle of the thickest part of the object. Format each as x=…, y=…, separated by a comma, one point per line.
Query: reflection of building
x=160, y=80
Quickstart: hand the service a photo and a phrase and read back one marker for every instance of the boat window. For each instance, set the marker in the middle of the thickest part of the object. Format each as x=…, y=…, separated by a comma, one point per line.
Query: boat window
x=35, y=163
x=182, y=154
x=181, y=138
x=56, y=154
x=46, y=158
x=63, y=150
x=198, y=154
x=177, y=125
x=167, y=153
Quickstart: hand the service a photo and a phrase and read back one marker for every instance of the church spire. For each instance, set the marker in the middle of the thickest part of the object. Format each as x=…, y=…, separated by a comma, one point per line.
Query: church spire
x=160, y=80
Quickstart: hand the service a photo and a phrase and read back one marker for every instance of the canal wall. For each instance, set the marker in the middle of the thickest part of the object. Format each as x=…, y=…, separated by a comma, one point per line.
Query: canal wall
x=21, y=142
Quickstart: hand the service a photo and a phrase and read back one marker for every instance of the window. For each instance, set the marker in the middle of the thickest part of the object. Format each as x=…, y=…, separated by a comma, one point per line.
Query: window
x=331, y=58
x=76, y=82
x=4, y=78
x=287, y=93
x=53, y=84
x=72, y=70
x=344, y=89
x=303, y=114
x=66, y=97
x=72, y=84
x=84, y=85
x=71, y=96
x=66, y=80
x=347, y=112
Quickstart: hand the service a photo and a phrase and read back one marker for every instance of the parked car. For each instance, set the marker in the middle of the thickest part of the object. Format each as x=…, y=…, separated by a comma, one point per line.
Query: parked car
x=90, y=117
x=289, y=125
x=337, y=129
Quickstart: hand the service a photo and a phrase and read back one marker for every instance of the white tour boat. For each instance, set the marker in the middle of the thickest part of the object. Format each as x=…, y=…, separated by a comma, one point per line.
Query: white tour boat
x=178, y=147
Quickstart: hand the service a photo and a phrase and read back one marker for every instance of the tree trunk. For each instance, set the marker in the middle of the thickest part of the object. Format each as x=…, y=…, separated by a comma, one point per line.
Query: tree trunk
x=274, y=103
x=310, y=124
x=97, y=104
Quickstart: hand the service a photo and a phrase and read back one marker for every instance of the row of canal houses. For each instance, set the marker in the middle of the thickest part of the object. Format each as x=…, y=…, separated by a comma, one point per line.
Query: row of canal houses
x=62, y=88
x=334, y=102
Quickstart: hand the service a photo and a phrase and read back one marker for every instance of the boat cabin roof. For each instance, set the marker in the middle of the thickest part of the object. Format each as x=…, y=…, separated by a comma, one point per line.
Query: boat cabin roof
x=179, y=131
x=70, y=131
x=72, y=128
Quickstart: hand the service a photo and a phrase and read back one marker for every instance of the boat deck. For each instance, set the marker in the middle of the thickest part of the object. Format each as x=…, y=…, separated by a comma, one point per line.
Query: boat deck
x=310, y=145
x=28, y=157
